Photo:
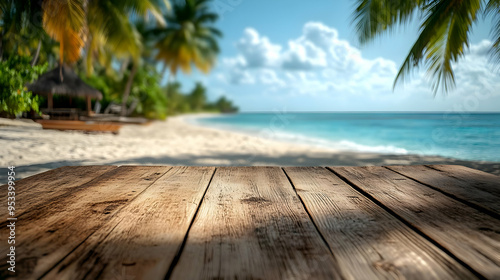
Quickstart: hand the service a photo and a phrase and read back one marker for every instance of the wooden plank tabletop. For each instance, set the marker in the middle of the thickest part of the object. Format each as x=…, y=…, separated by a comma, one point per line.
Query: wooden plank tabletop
x=163, y=222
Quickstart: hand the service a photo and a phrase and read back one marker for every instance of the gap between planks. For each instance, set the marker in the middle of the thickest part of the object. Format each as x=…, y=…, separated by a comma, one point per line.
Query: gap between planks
x=448, y=193
x=254, y=184
x=41, y=250
x=179, y=253
x=100, y=258
x=369, y=242
x=367, y=195
x=404, y=221
x=308, y=213
x=97, y=229
x=183, y=244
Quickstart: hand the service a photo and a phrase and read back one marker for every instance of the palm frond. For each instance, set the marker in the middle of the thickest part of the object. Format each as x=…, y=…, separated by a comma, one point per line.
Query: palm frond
x=65, y=22
x=372, y=17
x=111, y=20
x=207, y=18
x=119, y=34
x=142, y=7
x=442, y=40
x=112, y=32
x=493, y=8
x=189, y=40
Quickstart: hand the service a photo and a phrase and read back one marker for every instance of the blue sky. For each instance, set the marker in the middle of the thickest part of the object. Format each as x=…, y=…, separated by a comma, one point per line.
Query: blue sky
x=304, y=56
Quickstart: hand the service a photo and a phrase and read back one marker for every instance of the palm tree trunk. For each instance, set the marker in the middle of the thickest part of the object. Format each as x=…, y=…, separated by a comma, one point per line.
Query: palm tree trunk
x=128, y=87
x=88, y=57
x=123, y=67
x=1, y=46
x=35, y=59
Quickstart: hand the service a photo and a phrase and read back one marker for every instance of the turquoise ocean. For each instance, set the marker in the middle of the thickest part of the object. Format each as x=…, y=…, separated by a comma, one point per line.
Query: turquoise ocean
x=467, y=136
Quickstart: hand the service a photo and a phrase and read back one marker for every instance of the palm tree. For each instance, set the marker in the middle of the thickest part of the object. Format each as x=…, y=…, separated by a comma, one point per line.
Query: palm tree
x=112, y=31
x=198, y=97
x=113, y=34
x=96, y=23
x=103, y=27
x=444, y=32
x=20, y=27
x=66, y=22
x=190, y=39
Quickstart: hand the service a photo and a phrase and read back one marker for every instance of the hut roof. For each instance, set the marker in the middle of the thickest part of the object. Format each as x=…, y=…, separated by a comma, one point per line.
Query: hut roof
x=71, y=84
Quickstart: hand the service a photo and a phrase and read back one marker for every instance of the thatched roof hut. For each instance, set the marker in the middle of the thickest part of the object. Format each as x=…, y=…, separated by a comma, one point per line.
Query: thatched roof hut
x=51, y=83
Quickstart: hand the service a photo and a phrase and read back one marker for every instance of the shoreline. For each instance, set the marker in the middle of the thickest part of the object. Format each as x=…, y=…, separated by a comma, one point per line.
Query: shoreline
x=279, y=139
x=185, y=119
x=176, y=141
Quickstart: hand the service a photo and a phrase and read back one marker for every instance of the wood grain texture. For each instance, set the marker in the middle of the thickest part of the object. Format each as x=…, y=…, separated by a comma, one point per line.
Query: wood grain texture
x=468, y=234
x=252, y=225
x=367, y=241
x=49, y=185
x=141, y=240
x=52, y=231
x=476, y=187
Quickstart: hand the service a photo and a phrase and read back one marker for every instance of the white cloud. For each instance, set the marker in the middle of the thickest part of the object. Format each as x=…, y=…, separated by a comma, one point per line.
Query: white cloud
x=303, y=55
x=241, y=76
x=475, y=74
x=319, y=62
x=238, y=61
x=268, y=76
x=257, y=51
x=323, y=62
x=320, y=34
x=480, y=49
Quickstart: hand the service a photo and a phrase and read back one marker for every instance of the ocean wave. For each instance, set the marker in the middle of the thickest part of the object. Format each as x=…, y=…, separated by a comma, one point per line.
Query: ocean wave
x=374, y=149
x=471, y=141
x=344, y=145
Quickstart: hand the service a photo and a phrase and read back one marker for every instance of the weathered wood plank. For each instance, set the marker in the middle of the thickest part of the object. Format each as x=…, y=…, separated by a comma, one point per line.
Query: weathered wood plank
x=51, y=184
x=367, y=241
x=141, y=240
x=470, y=235
x=252, y=225
x=49, y=233
x=478, y=188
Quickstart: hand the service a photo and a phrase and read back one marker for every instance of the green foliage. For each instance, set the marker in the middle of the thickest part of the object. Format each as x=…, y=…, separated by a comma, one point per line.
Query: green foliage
x=198, y=97
x=116, y=33
x=108, y=85
x=147, y=90
x=444, y=32
x=194, y=101
x=155, y=101
x=189, y=39
x=20, y=26
x=15, y=73
x=177, y=101
x=224, y=105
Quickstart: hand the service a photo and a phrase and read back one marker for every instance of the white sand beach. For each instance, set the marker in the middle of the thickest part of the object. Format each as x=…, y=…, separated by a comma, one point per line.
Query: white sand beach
x=175, y=142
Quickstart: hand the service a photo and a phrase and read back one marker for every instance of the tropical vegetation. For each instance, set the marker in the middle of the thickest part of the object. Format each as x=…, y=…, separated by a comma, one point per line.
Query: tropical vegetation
x=196, y=101
x=15, y=72
x=118, y=46
x=190, y=39
x=444, y=34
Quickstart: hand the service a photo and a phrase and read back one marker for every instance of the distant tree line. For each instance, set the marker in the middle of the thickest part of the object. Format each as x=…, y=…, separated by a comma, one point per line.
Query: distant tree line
x=196, y=101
